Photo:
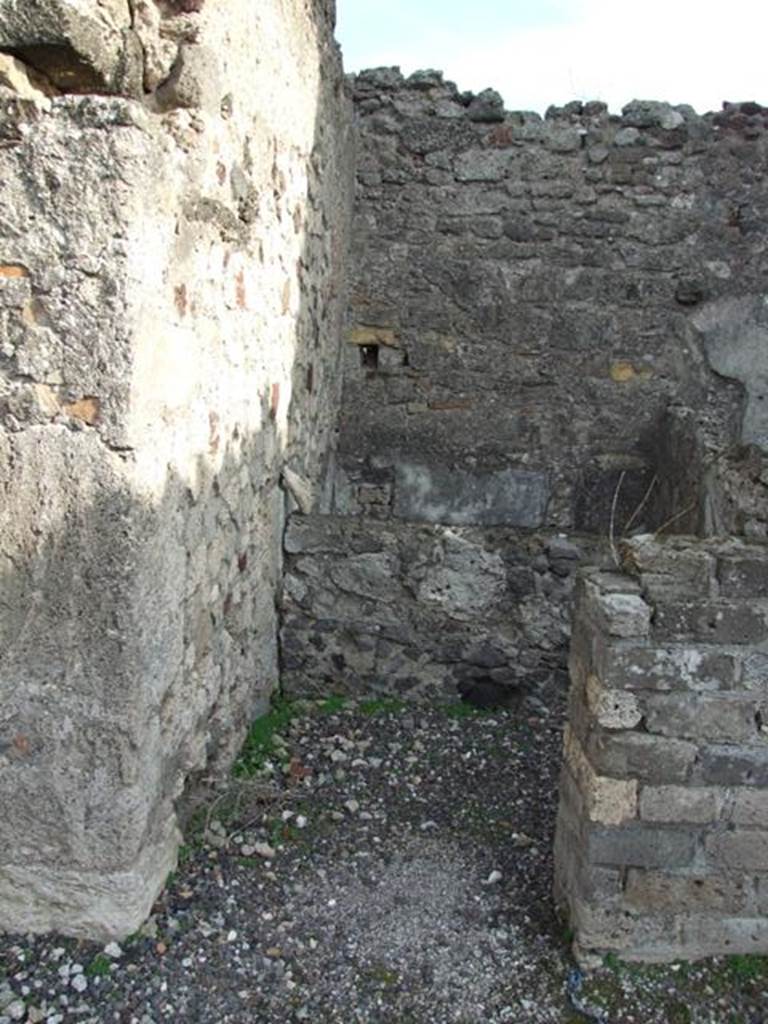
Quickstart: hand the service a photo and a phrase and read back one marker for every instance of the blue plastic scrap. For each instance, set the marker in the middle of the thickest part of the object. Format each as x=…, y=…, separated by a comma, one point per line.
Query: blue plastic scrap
x=574, y=986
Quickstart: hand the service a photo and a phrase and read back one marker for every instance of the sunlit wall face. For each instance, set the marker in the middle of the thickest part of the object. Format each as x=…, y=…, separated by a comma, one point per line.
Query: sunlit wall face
x=538, y=52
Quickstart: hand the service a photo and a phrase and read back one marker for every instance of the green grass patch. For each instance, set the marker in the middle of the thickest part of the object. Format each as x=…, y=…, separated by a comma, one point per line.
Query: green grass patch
x=747, y=967
x=331, y=705
x=382, y=705
x=259, y=744
x=249, y=862
x=186, y=852
x=612, y=962
x=678, y=1013
x=99, y=967
x=382, y=975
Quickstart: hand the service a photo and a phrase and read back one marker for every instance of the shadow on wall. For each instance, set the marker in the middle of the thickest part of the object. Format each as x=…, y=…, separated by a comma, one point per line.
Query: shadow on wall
x=138, y=623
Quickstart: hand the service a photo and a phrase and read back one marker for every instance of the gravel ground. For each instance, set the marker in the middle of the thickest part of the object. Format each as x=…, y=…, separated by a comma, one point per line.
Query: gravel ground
x=371, y=863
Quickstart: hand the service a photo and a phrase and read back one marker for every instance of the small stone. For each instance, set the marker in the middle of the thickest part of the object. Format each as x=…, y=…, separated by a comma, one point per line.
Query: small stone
x=265, y=850
x=113, y=951
x=301, y=821
x=274, y=952
x=79, y=983
x=231, y=935
x=521, y=840
x=487, y=106
x=352, y=806
x=626, y=137
x=493, y=878
x=149, y=929
x=16, y=1010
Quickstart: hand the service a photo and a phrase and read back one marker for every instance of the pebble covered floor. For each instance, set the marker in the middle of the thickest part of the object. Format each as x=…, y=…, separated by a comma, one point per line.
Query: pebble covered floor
x=370, y=862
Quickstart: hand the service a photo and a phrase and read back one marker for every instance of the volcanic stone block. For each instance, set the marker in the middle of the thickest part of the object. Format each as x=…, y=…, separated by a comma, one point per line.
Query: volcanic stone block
x=743, y=574
x=683, y=893
x=725, y=718
x=617, y=614
x=712, y=934
x=724, y=765
x=650, y=759
x=634, y=935
x=641, y=846
x=750, y=807
x=742, y=849
x=612, y=708
x=606, y=800
x=682, y=667
x=696, y=805
x=712, y=622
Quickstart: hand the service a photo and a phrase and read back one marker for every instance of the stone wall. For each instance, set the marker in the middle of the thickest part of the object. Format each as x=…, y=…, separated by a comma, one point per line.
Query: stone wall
x=173, y=219
x=530, y=296
x=551, y=333
x=662, y=849
x=426, y=611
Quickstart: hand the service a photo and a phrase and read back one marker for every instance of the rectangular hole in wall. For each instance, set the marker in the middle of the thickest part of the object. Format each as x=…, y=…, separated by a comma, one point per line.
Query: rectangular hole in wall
x=369, y=357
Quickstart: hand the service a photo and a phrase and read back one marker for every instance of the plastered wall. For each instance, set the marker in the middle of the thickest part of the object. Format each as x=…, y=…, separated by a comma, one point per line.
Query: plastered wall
x=173, y=219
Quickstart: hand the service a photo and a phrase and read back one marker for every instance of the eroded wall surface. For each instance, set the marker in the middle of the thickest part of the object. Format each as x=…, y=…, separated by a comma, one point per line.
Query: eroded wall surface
x=173, y=220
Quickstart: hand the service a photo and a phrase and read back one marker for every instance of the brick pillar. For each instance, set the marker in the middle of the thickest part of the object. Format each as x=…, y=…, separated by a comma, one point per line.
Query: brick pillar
x=662, y=834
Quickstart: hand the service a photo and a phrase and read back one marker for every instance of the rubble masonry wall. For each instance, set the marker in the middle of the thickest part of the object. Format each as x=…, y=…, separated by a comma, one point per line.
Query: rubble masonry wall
x=556, y=329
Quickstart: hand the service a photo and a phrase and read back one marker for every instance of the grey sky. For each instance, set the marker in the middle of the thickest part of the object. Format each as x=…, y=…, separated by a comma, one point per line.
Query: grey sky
x=551, y=51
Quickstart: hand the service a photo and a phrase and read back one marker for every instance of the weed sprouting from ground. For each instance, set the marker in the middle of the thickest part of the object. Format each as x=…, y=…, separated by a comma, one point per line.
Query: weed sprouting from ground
x=382, y=705
x=260, y=742
x=332, y=705
x=99, y=967
x=747, y=967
